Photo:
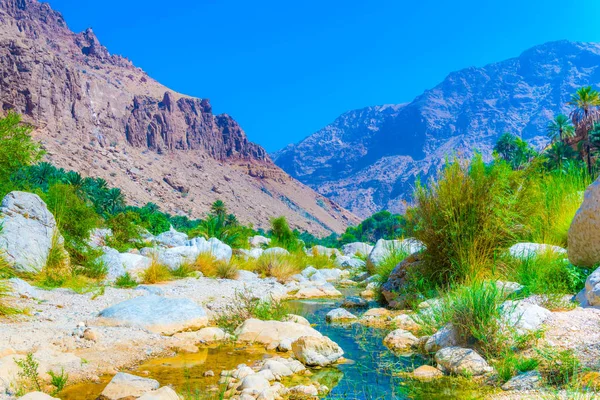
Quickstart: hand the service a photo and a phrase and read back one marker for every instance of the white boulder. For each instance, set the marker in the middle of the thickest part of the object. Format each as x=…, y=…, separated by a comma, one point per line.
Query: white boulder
x=157, y=314
x=357, y=248
x=28, y=231
x=316, y=351
x=527, y=250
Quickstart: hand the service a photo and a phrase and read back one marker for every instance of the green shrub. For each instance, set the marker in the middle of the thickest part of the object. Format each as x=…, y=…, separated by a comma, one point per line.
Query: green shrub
x=510, y=364
x=474, y=311
x=156, y=272
x=17, y=148
x=245, y=306
x=185, y=270
x=557, y=195
x=57, y=270
x=283, y=236
x=387, y=265
x=126, y=231
x=28, y=374
x=547, y=274
x=558, y=367
x=58, y=381
x=467, y=216
x=125, y=281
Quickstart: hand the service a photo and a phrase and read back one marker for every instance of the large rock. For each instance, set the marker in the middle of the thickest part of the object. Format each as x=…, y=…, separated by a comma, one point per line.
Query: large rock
x=527, y=250
x=275, y=251
x=272, y=332
x=27, y=233
x=400, y=340
x=357, y=248
x=258, y=241
x=392, y=287
x=120, y=263
x=19, y=287
x=384, y=248
x=99, y=237
x=214, y=246
x=523, y=316
x=171, y=238
x=460, y=361
x=349, y=262
x=323, y=251
x=253, y=253
x=157, y=314
x=126, y=385
x=340, y=315
x=527, y=381
x=584, y=233
x=164, y=393
x=444, y=337
x=316, y=351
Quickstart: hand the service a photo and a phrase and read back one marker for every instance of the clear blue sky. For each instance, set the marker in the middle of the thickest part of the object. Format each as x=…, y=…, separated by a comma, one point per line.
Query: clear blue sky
x=284, y=68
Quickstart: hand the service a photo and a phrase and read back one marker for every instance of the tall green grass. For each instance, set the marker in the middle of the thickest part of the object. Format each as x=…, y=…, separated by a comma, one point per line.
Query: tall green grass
x=466, y=216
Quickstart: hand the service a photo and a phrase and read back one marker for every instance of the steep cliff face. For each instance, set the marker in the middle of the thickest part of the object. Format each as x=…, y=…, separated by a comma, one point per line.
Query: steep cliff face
x=99, y=114
x=468, y=111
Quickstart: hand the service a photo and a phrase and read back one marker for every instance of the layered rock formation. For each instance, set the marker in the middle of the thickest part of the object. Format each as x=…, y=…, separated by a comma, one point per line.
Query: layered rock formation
x=368, y=159
x=99, y=114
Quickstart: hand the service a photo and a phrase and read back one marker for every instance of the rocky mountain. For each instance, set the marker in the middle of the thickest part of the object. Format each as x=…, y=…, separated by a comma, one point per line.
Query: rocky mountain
x=368, y=159
x=99, y=114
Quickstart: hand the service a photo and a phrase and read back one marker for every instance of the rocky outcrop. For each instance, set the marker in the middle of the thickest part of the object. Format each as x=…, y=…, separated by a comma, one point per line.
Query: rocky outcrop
x=97, y=113
x=368, y=159
x=28, y=232
x=584, y=233
x=156, y=314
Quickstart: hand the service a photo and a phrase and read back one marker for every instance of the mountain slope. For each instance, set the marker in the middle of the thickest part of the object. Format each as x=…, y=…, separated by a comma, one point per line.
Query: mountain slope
x=99, y=114
x=469, y=110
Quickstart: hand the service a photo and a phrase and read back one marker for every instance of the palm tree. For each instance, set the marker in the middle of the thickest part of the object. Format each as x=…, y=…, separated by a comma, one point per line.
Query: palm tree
x=219, y=209
x=114, y=201
x=560, y=128
x=585, y=115
x=557, y=154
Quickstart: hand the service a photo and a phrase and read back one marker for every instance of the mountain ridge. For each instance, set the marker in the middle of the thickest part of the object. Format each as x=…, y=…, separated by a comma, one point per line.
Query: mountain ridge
x=466, y=112
x=98, y=114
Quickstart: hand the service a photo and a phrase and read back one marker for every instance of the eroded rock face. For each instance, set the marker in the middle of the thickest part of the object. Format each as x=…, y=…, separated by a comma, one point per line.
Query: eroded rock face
x=584, y=233
x=316, y=351
x=368, y=159
x=157, y=314
x=28, y=229
x=100, y=115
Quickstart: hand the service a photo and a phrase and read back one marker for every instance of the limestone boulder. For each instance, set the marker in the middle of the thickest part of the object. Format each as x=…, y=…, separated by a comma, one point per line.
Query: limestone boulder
x=214, y=246
x=461, y=361
x=340, y=315
x=357, y=249
x=28, y=232
x=272, y=332
x=157, y=314
x=445, y=337
x=259, y=241
x=349, y=262
x=526, y=381
x=584, y=233
x=275, y=251
x=171, y=238
x=400, y=340
x=118, y=264
x=323, y=251
x=164, y=393
x=590, y=295
x=316, y=351
x=124, y=385
x=527, y=250
x=37, y=396
x=523, y=316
